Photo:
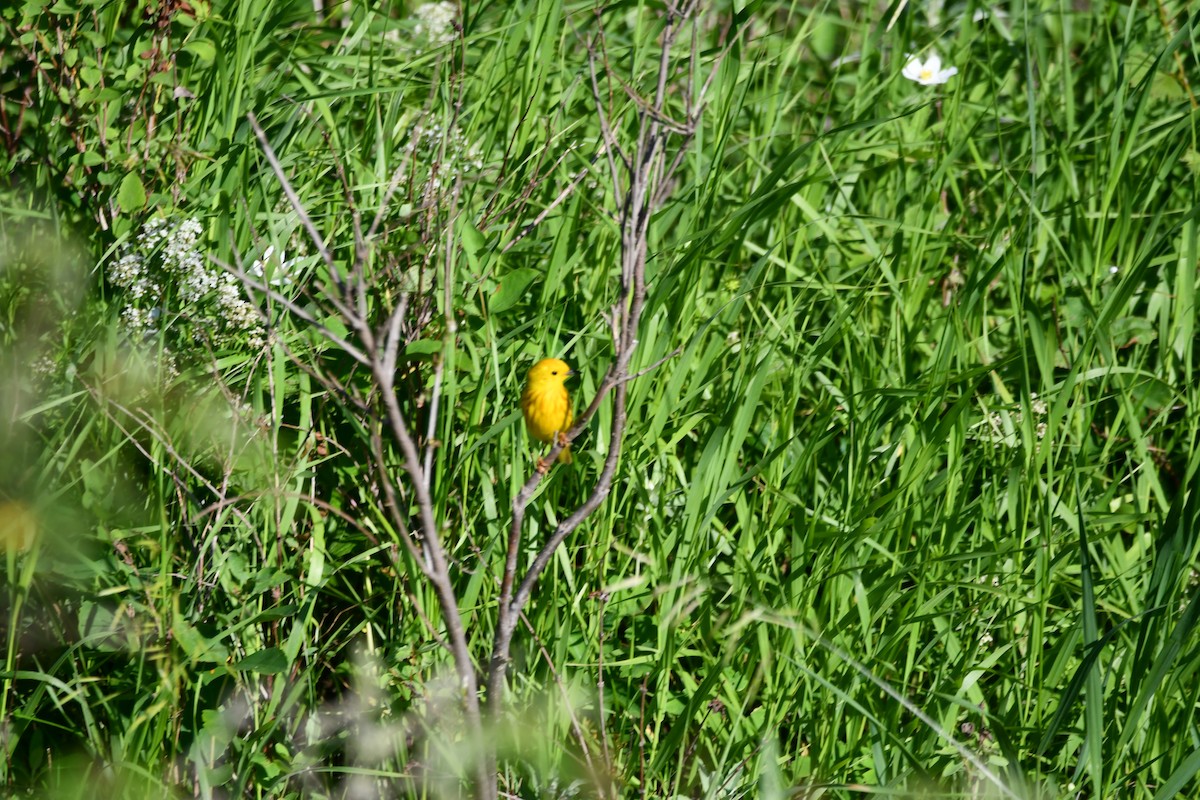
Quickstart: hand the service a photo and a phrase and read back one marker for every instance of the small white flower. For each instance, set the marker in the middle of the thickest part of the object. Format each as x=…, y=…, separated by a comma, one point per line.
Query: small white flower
x=281, y=273
x=928, y=72
x=44, y=367
x=982, y=14
x=1114, y=269
x=152, y=233
x=138, y=320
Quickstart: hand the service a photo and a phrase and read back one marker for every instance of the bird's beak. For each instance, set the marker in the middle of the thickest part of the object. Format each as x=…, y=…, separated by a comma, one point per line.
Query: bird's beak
x=572, y=373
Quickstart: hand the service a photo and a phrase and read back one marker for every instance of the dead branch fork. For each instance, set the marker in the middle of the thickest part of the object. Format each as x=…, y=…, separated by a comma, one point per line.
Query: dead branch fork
x=377, y=349
x=642, y=180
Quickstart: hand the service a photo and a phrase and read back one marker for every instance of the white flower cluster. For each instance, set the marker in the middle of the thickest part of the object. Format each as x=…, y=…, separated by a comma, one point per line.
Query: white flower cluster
x=44, y=367
x=425, y=147
x=240, y=314
x=165, y=271
x=436, y=24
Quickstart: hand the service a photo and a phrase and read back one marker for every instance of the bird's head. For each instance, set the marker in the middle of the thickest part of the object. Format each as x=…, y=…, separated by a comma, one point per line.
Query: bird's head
x=550, y=370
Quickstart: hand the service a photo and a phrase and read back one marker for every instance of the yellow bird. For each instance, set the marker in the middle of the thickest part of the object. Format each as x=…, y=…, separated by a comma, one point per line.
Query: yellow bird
x=547, y=404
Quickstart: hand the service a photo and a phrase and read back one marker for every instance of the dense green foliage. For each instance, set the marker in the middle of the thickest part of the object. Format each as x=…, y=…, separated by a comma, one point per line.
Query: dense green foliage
x=930, y=443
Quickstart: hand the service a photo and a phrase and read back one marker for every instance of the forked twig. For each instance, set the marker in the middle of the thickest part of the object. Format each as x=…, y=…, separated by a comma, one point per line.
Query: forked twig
x=377, y=350
x=638, y=182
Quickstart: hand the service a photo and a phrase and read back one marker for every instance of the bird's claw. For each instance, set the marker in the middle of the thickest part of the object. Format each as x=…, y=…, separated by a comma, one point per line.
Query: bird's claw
x=542, y=467
x=562, y=438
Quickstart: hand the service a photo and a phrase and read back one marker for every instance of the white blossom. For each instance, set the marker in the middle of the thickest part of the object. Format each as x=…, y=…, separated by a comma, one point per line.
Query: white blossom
x=44, y=367
x=280, y=269
x=928, y=72
x=168, y=281
x=126, y=271
x=136, y=319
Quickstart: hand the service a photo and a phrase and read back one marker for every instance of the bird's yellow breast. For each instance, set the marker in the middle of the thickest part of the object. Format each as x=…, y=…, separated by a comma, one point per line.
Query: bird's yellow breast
x=547, y=410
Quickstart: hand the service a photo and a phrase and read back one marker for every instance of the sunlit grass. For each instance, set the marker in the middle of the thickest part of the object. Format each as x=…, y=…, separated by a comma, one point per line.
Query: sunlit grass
x=930, y=433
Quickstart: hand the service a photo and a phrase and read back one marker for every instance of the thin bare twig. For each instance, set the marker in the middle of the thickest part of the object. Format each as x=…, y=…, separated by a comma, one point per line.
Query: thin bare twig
x=293, y=199
x=431, y=428
x=557, y=201
x=642, y=178
x=612, y=149
x=262, y=288
x=653, y=366
x=378, y=351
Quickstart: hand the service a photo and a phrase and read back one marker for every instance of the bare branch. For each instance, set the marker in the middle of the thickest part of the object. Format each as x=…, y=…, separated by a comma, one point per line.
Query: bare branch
x=262, y=288
x=439, y=571
x=391, y=337
x=653, y=366
x=612, y=149
x=391, y=503
x=424, y=544
x=562, y=196
x=638, y=190
x=431, y=429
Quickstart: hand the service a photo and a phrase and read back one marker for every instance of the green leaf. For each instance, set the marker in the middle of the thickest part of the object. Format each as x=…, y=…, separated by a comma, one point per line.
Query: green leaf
x=423, y=347
x=512, y=288
x=196, y=645
x=1166, y=87
x=1127, y=331
x=132, y=195
x=202, y=49
x=100, y=627
x=472, y=243
x=270, y=661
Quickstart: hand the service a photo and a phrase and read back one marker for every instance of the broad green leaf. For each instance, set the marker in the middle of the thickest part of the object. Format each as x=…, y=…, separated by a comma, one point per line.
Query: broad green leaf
x=270, y=661
x=512, y=289
x=131, y=196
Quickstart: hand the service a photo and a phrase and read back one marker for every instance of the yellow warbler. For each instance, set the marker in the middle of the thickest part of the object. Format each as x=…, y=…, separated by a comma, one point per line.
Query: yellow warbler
x=547, y=404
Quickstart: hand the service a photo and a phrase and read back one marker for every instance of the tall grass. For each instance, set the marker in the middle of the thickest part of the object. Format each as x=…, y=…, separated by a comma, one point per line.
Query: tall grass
x=912, y=512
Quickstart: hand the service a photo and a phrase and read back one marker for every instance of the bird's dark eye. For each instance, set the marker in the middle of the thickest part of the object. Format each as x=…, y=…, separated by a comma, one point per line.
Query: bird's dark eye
x=554, y=373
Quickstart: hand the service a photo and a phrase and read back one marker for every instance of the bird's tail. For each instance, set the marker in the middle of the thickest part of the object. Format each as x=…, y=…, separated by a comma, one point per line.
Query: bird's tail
x=564, y=455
